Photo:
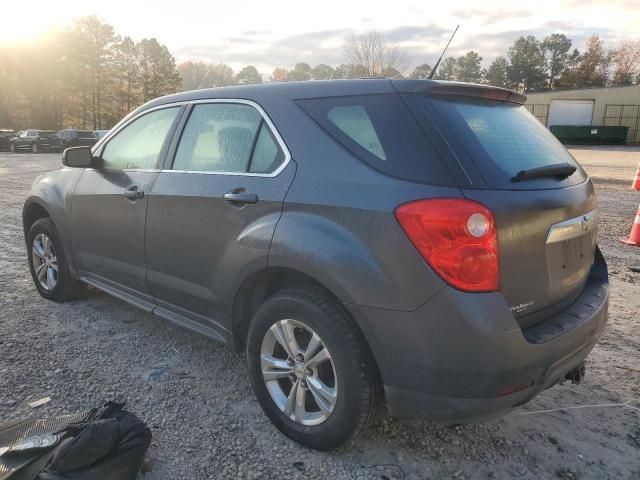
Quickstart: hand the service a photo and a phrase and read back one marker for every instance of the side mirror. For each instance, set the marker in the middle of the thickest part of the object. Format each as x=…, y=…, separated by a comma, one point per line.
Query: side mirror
x=78, y=157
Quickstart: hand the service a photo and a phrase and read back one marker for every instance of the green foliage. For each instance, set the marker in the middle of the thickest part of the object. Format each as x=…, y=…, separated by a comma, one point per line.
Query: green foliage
x=556, y=49
x=421, y=72
x=322, y=72
x=448, y=69
x=300, y=72
x=469, y=67
x=496, y=74
x=526, y=70
x=248, y=75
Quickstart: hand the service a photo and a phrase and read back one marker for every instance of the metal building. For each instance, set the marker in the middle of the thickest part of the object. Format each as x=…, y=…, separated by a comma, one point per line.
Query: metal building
x=609, y=106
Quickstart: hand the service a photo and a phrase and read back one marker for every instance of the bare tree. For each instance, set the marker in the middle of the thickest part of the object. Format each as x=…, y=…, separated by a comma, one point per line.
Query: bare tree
x=374, y=54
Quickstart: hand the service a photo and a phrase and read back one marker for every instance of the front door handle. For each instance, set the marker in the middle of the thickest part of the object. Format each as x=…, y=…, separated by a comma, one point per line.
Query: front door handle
x=133, y=193
x=240, y=196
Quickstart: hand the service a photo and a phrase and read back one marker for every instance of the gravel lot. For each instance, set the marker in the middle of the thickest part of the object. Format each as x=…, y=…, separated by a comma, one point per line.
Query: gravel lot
x=196, y=397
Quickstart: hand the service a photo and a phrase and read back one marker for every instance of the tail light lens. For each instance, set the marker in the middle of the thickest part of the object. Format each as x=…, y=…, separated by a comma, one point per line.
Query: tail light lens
x=458, y=239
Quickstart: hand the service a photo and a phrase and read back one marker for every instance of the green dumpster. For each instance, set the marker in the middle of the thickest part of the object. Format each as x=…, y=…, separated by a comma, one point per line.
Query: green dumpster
x=590, y=135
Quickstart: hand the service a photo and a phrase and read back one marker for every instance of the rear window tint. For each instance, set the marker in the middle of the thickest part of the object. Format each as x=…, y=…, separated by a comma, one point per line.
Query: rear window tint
x=502, y=139
x=380, y=130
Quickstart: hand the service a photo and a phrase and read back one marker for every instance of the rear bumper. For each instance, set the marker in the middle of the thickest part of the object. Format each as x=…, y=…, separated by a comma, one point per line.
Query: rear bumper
x=463, y=357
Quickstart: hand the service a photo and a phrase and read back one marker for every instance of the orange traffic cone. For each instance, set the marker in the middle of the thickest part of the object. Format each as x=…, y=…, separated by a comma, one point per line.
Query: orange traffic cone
x=636, y=181
x=634, y=236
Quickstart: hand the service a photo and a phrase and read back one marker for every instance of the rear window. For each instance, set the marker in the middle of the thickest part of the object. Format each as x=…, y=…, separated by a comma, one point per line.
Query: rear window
x=380, y=130
x=503, y=139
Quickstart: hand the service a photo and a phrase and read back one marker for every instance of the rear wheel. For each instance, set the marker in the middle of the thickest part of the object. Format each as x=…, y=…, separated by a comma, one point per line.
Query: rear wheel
x=12, y=148
x=311, y=370
x=34, y=148
x=48, y=264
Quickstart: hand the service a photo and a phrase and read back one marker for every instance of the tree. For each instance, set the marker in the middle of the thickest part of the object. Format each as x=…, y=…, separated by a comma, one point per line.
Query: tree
x=221, y=75
x=248, y=75
x=301, y=71
x=526, y=70
x=593, y=67
x=349, y=70
x=421, y=72
x=159, y=74
x=627, y=62
x=195, y=75
x=279, y=74
x=374, y=54
x=322, y=72
x=448, y=69
x=556, y=50
x=496, y=74
x=469, y=67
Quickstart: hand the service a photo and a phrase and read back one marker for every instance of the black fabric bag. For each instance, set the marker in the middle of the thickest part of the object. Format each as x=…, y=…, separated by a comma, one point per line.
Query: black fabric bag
x=106, y=443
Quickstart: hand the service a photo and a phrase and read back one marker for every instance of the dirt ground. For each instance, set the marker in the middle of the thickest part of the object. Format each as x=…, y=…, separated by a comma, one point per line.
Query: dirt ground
x=195, y=394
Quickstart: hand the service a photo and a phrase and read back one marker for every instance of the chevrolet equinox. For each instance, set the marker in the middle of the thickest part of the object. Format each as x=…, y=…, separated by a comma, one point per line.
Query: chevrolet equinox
x=425, y=245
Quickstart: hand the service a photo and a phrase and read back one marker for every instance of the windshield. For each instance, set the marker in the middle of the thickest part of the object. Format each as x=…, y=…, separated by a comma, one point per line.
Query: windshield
x=503, y=139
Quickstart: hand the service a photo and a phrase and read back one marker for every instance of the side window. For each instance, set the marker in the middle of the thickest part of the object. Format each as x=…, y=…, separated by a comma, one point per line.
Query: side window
x=267, y=155
x=355, y=122
x=227, y=137
x=139, y=144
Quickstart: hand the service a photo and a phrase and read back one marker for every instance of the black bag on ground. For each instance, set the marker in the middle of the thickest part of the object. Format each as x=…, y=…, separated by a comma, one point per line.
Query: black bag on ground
x=105, y=443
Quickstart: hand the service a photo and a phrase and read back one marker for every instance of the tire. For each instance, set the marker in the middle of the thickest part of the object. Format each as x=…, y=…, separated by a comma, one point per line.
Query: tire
x=63, y=287
x=35, y=148
x=12, y=148
x=350, y=372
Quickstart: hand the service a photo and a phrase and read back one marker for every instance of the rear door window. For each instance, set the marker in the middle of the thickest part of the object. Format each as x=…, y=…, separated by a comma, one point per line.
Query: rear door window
x=502, y=139
x=382, y=132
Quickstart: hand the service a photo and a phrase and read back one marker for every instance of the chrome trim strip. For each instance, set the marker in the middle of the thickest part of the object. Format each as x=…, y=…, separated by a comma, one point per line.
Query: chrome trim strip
x=574, y=227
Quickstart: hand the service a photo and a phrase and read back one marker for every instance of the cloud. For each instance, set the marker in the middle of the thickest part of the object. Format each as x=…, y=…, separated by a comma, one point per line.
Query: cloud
x=489, y=16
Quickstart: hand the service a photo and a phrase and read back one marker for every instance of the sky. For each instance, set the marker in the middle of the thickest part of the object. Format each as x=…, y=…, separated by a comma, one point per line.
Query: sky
x=275, y=33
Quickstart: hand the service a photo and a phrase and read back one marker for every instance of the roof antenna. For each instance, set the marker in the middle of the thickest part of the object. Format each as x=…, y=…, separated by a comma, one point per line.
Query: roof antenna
x=433, y=70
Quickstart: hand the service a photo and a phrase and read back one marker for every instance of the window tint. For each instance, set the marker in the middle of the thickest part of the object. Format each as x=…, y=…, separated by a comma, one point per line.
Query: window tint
x=380, y=130
x=138, y=145
x=503, y=138
x=267, y=155
x=218, y=137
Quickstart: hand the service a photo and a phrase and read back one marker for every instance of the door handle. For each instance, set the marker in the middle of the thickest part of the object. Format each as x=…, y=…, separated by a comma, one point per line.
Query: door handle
x=133, y=193
x=240, y=196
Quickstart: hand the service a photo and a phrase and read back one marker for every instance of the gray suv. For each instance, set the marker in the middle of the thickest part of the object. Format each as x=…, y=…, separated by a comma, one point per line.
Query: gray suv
x=421, y=244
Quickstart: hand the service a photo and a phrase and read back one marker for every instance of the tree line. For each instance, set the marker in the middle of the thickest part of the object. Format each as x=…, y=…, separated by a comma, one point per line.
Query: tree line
x=87, y=76
x=83, y=76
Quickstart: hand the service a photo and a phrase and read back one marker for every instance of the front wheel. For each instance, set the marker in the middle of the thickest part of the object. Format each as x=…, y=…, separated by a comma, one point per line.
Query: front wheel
x=48, y=264
x=12, y=148
x=311, y=370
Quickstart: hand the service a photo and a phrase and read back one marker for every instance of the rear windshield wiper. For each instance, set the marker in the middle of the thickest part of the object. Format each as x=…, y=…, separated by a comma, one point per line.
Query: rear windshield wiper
x=559, y=170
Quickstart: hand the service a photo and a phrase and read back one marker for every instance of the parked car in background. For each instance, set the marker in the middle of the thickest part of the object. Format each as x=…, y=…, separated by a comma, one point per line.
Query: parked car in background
x=77, y=138
x=430, y=244
x=100, y=133
x=35, y=141
x=5, y=135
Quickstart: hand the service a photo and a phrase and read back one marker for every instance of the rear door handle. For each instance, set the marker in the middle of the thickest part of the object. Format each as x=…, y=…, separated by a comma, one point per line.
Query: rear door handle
x=238, y=197
x=133, y=193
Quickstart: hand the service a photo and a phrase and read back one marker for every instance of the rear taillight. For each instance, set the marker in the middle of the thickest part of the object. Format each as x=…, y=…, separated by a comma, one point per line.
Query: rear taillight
x=458, y=239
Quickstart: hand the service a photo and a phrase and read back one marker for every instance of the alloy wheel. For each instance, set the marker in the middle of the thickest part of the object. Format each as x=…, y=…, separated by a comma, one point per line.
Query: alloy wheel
x=45, y=262
x=299, y=372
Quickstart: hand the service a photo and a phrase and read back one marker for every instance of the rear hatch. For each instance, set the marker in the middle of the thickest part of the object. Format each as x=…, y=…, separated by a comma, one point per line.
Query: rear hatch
x=543, y=202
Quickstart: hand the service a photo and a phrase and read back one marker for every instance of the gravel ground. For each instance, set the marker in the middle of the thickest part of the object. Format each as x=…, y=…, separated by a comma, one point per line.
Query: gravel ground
x=196, y=397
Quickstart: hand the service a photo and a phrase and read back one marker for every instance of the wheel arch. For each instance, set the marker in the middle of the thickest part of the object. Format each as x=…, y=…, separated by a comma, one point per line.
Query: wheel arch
x=265, y=282
x=31, y=213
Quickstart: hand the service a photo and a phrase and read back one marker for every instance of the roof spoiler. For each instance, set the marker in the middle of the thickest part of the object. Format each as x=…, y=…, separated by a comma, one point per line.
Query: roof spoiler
x=459, y=88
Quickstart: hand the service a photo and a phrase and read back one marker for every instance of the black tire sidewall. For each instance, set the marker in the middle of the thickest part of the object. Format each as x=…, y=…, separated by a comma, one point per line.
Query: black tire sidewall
x=344, y=421
x=46, y=226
